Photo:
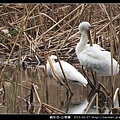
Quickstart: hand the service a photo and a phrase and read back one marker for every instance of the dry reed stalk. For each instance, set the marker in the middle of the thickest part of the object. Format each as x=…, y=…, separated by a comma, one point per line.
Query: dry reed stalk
x=4, y=92
x=20, y=68
x=80, y=14
x=104, y=88
x=15, y=94
x=37, y=98
x=16, y=83
x=45, y=62
x=63, y=72
x=7, y=103
x=119, y=44
x=66, y=24
x=111, y=50
x=49, y=111
x=110, y=17
x=36, y=93
x=8, y=58
x=42, y=104
x=116, y=17
x=88, y=107
x=12, y=49
x=19, y=57
x=59, y=22
x=53, y=108
x=37, y=26
x=9, y=39
x=58, y=35
x=116, y=94
x=39, y=110
x=10, y=81
x=8, y=12
x=97, y=111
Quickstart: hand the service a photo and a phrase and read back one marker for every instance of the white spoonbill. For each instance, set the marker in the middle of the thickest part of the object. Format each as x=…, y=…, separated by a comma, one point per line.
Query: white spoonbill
x=94, y=57
x=71, y=72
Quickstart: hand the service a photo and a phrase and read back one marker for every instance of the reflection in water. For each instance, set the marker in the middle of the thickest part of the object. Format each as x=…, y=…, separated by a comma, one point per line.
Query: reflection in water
x=53, y=94
x=116, y=103
x=79, y=108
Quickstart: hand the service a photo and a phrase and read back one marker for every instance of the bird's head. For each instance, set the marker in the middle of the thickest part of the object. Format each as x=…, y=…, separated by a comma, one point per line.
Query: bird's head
x=54, y=58
x=85, y=27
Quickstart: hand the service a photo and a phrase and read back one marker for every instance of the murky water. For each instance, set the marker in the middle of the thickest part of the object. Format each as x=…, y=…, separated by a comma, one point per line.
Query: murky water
x=81, y=108
x=49, y=91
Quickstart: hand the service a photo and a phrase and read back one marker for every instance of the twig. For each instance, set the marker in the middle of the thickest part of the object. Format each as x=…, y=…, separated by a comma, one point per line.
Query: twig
x=96, y=95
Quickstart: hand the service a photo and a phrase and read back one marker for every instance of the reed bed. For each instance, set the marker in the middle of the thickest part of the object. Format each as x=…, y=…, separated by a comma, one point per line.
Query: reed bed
x=27, y=31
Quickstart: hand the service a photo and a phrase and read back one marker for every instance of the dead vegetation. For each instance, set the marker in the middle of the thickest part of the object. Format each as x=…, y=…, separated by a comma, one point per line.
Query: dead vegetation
x=28, y=30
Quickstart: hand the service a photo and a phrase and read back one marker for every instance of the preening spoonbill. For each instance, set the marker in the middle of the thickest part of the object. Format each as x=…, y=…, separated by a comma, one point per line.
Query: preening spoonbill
x=71, y=72
x=94, y=57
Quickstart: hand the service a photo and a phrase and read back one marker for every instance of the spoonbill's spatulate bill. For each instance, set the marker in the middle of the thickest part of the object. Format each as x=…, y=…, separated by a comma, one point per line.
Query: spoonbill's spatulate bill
x=94, y=57
x=71, y=72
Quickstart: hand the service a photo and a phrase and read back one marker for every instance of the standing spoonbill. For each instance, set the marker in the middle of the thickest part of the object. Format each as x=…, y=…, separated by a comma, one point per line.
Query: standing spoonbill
x=71, y=72
x=94, y=57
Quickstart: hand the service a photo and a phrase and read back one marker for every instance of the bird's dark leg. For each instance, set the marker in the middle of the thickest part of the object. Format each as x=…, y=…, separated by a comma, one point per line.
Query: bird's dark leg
x=67, y=93
x=95, y=87
x=94, y=80
x=68, y=103
x=89, y=81
x=93, y=90
x=68, y=89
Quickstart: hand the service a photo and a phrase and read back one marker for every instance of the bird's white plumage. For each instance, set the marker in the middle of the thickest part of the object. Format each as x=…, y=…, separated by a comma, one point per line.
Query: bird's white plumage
x=94, y=57
x=71, y=72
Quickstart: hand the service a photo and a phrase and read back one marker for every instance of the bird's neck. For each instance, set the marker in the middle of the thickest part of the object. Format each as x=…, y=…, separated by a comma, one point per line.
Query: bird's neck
x=82, y=43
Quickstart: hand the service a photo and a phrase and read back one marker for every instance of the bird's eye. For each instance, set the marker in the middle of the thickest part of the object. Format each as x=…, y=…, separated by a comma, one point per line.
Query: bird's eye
x=56, y=60
x=89, y=27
